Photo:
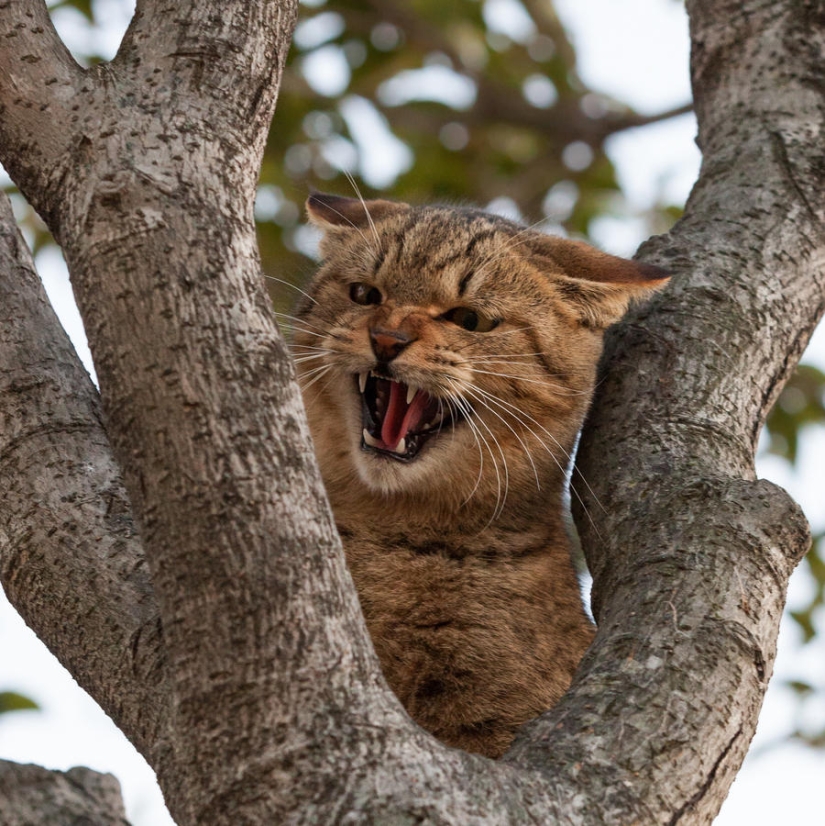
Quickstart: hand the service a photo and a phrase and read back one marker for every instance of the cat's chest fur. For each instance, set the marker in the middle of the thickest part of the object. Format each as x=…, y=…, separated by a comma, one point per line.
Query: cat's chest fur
x=447, y=358
x=475, y=634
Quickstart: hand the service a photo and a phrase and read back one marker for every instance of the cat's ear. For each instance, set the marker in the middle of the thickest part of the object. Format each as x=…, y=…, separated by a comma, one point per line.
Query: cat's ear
x=335, y=211
x=597, y=285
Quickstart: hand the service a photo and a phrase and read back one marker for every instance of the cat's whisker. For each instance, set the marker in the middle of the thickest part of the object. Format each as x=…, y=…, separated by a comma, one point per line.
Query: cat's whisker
x=308, y=348
x=316, y=347
x=453, y=409
x=317, y=391
x=289, y=284
x=300, y=324
x=314, y=390
x=517, y=416
x=314, y=393
x=308, y=357
x=293, y=330
x=482, y=400
x=321, y=334
x=517, y=413
x=311, y=372
x=321, y=373
x=290, y=330
x=480, y=440
x=371, y=223
x=509, y=410
x=466, y=408
x=291, y=317
x=561, y=390
x=352, y=224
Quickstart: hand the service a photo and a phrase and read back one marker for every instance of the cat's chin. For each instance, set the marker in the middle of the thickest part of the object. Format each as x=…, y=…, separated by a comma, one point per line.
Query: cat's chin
x=388, y=474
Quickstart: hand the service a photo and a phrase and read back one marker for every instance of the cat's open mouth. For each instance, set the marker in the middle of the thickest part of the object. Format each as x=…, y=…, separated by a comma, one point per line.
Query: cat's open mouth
x=399, y=419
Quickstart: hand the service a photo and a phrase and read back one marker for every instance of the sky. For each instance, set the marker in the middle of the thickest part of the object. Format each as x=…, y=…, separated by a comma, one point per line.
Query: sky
x=638, y=51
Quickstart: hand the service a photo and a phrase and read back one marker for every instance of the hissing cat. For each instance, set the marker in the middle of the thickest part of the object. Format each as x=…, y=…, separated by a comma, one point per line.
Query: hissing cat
x=447, y=359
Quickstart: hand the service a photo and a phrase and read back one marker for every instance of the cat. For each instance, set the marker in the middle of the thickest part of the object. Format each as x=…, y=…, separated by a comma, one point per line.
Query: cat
x=447, y=359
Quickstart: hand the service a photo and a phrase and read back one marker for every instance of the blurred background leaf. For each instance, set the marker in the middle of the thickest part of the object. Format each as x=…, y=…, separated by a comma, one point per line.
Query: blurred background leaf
x=426, y=101
x=83, y=6
x=12, y=701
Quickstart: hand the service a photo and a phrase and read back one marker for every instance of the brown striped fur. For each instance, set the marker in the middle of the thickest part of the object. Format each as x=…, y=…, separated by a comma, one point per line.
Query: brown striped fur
x=460, y=556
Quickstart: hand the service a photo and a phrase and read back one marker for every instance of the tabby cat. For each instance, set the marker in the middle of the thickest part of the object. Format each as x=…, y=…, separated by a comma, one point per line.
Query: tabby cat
x=447, y=359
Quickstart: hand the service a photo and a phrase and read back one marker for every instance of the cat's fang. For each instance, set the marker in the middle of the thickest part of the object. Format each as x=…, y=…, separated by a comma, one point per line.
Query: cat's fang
x=362, y=382
x=370, y=440
x=397, y=419
x=399, y=450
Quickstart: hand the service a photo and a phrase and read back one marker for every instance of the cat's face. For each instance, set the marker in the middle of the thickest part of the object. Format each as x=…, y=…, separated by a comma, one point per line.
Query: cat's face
x=448, y=352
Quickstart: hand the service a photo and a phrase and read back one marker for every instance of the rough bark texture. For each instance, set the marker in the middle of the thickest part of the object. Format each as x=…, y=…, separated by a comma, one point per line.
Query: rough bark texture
x=263, y=699
x=32, y=796
x=69, y=556
x=692, y=552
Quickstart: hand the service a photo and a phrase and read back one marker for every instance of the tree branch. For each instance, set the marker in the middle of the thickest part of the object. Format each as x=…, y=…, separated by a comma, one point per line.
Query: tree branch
x=69, y=557
x=687, y=384
x=80, y=796
x=40, y=88
x=497, y=103
x=200, y=403
x=229, y=63
x=613, y=123
x=548, y=23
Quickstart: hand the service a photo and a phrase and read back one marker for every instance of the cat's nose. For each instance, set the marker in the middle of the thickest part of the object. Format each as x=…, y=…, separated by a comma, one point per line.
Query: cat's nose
x=387, y=344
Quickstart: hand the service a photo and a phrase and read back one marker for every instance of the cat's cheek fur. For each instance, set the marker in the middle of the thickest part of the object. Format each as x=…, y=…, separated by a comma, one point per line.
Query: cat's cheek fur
x=331, y=424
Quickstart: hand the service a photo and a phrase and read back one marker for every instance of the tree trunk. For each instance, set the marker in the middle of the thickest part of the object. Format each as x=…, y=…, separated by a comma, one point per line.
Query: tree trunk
x=261, y=701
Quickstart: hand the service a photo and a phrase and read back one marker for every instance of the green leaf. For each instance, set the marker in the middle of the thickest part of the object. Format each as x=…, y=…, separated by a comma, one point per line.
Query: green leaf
x=800, y=404
x=12, y=701
x=804, y=620
x=801, y=688
x=83, y=6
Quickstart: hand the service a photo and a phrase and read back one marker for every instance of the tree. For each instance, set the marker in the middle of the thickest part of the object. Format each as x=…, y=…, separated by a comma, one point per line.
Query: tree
x=220, y=627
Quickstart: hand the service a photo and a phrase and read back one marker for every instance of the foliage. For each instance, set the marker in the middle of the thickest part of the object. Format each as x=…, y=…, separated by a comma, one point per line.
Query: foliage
x=428, y=101
x=12, y=701
x=802, y=406
x=83, y=6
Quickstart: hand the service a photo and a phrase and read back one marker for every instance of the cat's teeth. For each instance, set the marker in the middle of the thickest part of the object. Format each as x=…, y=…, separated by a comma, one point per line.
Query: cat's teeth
x=372, y=442
x=362, y=382
x=434, y=422
x=411, y=391
x=400, y=448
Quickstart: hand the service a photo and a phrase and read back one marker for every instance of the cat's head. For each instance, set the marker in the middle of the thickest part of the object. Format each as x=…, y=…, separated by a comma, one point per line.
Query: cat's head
x=451, y=352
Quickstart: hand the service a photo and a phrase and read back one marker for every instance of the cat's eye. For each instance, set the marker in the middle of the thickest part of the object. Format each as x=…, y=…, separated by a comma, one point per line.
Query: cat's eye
x=362, y=293
x=471, y=320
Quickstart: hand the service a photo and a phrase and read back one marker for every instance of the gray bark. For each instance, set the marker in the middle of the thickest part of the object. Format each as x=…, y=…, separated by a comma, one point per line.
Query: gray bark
x=263, y=699
x=32, y=796
x=69, y=555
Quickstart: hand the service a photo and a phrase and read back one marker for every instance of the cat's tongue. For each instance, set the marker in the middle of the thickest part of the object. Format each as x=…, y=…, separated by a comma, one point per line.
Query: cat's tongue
x=401, y=417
